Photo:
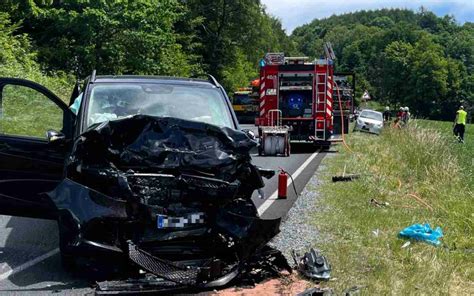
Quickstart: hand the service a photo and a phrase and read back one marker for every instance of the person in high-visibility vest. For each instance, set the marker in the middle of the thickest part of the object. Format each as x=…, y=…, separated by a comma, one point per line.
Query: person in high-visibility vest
x=460, y=124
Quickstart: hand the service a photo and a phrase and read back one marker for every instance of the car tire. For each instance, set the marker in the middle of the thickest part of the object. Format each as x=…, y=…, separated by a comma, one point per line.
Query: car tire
x=96, y=267
x=68, y=262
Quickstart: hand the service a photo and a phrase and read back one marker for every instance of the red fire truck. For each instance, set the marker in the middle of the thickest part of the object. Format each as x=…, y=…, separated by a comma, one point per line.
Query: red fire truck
x=296, y=97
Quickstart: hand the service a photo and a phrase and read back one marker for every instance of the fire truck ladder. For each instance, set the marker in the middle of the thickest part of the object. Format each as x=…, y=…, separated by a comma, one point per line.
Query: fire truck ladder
x=321, y=97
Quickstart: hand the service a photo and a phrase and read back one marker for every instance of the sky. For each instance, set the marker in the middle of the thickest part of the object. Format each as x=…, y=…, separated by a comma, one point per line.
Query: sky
x=294, y=13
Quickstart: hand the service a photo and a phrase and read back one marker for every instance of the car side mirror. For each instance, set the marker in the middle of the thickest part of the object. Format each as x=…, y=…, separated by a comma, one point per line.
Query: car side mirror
x=249, y=133
x=55, y=136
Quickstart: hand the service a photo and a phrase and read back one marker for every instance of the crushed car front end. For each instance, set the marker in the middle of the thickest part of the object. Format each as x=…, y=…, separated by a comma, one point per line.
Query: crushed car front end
x=166, y=197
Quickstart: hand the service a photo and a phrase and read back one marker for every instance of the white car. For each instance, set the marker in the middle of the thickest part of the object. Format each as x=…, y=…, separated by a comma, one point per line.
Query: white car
x=369, y=121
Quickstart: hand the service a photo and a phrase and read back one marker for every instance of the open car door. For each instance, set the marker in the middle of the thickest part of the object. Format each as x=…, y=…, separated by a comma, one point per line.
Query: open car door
x=36, y=129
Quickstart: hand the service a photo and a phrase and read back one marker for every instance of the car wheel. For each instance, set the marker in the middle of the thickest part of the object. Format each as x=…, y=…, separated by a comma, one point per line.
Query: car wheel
x=68, y=262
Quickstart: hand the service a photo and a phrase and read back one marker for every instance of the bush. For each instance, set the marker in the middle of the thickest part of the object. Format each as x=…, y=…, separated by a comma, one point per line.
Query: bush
x=17, y=59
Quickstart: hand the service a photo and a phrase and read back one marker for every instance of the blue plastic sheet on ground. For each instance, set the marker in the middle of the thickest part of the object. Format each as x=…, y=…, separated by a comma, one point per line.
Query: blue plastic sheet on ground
x=423, y=233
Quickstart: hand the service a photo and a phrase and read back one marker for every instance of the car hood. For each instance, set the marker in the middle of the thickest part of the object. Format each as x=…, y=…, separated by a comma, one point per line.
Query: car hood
x=176, y=193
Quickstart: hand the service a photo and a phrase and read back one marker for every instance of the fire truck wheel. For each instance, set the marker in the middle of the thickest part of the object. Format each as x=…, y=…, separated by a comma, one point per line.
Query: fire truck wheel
x=281, y=145
x=270, y=145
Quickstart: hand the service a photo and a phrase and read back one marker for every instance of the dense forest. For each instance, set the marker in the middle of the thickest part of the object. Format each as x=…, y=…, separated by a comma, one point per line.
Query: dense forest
x=70, y=38
x=401, y=57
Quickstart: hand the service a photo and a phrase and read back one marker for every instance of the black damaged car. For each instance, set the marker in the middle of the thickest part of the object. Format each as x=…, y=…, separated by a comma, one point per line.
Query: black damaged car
x=151, y=175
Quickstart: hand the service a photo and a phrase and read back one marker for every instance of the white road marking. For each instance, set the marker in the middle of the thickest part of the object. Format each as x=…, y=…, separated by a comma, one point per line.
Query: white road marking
x=28, y=264
x=264, y=206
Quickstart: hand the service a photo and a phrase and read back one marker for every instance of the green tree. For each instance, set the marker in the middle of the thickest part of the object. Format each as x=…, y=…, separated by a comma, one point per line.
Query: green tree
x=236, y=31
x=18, y=59
x=239, y=73
x=402, y=57
x=382, y=22
x=396, y=72
x=114, y=37
x=165, y=37
x=428, y=76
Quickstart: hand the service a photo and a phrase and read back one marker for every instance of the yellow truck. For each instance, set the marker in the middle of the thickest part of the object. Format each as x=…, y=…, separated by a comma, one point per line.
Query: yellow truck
x=245, y=105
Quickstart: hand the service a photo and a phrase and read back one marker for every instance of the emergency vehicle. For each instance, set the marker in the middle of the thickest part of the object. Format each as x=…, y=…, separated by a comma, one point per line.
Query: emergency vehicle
x=245, y=104
x=297, y=99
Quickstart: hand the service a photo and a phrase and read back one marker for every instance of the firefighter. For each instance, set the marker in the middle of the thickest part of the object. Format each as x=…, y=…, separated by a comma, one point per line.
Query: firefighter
x=400, y=113
x=460, y=124
x=407, y=115
x=386, y=114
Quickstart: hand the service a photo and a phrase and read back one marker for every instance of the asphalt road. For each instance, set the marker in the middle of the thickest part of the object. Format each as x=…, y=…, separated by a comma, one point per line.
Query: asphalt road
x=29, y=255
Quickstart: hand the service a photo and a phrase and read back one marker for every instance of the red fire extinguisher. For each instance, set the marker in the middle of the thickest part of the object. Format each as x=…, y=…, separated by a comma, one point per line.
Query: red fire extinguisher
x=282, y=184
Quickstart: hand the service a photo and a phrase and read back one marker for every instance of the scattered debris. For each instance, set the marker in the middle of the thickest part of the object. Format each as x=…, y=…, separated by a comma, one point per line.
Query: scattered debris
x=406, y=244
x=317, y=291
x=344, y=177
x=379, y=204
x=423, y=233
x=354, y=290
x=265, y=264
x=268, y=263
x=421, y=201
x=313, y=265
x=376, y=232
x=286, y=284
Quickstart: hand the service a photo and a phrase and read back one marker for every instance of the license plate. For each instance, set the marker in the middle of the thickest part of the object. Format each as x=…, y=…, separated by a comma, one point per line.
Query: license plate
x=164, y=221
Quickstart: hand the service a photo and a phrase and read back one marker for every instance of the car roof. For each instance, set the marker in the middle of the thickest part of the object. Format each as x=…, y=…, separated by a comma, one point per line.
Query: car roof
x=153, y=79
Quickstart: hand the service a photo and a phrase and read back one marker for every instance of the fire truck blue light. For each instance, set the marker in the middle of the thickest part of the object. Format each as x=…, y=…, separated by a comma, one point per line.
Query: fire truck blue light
x=295, y=101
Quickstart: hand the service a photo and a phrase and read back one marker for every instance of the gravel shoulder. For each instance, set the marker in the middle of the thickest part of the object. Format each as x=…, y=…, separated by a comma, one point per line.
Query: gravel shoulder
x=298, y=231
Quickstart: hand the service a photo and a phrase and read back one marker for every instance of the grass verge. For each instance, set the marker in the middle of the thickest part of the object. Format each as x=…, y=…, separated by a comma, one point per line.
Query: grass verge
x=425, y=177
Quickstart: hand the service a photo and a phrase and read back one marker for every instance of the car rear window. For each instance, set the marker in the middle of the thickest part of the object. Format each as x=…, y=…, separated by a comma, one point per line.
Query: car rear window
x=109, y=101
